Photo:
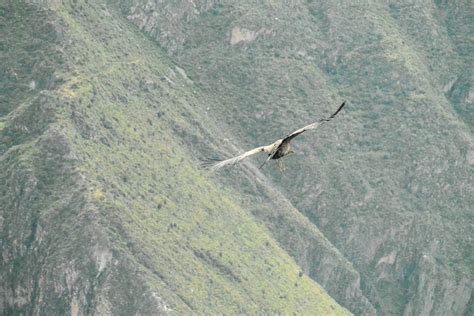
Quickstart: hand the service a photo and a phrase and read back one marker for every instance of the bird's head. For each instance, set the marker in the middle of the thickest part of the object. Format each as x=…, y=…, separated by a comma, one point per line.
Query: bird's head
x=291, y=152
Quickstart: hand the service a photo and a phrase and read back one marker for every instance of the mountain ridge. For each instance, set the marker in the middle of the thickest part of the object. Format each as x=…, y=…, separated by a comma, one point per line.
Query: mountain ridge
x=121, y=222
x=108, y=108
x=398, y=158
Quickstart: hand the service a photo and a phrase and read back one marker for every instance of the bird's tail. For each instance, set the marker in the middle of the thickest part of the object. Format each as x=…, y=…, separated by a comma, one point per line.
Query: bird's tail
x=208, y=163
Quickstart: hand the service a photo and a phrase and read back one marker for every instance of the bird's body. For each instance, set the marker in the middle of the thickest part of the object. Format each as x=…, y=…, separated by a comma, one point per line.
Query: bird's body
x=278, y=149
x=282, y=151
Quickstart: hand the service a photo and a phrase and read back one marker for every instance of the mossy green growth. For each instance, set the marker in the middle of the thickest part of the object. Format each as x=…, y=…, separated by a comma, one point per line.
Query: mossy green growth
x=391, y=176
x=123, y=121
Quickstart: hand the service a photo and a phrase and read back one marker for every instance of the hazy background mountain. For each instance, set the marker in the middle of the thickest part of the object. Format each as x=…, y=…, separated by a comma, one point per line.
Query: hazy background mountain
x=108, y=108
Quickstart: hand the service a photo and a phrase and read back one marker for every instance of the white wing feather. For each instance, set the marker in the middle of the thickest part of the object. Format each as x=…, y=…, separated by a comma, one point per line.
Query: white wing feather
x=304, y=129
x=234, y=160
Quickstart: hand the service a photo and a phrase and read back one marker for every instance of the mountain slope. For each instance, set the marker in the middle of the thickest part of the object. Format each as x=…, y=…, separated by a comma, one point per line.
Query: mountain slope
x=104, y=209
x=389, y=184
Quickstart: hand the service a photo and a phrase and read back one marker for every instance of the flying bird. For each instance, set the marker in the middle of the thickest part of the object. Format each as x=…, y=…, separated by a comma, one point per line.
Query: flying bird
x=278, y=149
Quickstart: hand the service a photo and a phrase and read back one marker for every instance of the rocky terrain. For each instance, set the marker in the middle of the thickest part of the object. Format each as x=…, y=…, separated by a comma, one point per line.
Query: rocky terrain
x=107, y=110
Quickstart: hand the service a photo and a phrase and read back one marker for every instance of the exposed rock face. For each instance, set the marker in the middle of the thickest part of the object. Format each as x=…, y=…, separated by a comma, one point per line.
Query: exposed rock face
x=238, y=35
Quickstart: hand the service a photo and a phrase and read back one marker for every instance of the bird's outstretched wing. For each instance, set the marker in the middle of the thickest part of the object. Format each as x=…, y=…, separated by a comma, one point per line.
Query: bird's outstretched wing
x=312, y=126
x=272, y=148
x=234, y=160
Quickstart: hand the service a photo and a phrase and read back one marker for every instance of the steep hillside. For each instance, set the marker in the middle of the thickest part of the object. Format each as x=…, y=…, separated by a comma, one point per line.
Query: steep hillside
x=104, y=209
x=391, y=183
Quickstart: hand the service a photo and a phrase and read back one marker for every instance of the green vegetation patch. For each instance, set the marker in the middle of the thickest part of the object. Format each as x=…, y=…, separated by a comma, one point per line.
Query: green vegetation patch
x=122, y=208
